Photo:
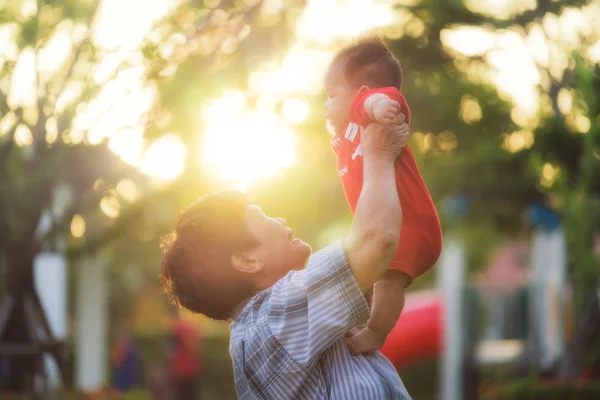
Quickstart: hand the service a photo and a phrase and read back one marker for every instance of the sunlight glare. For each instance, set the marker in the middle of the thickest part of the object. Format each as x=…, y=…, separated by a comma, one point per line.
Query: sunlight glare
x=122, y=103
x=7, y=122
x=565, y=101
x=300, y=72
x=593, y=52
x=129, y=145
x=582, y=123
x=538, y=48
x=324, y=21
x=245, y=145
x=165, y=158
x=518, y=141
x=295, y=110
x=242, y=144
x=56, y=51
x=501, y=9
x=515, y=59
x=28, y=8
x=470, y=110
x=468, y=41
x=23, y=91
x=110, y=206
x=128, y=189
x=118, y=112
x=107, y=66
x=51, y=130
x=71, y=93
x=8, y=47
x=77, y=226
x=123, y=24
x=549, y=174
x=514, y=71
x=23, y=136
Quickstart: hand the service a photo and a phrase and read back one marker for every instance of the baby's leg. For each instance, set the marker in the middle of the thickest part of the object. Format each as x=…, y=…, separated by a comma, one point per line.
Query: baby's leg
x=388, y=302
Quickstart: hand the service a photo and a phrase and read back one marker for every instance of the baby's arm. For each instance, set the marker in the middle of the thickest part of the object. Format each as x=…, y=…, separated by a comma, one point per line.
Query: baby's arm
x=381, y=108
x=388, y=302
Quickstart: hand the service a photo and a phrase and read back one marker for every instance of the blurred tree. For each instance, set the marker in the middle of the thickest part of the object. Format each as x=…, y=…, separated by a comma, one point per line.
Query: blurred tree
x=483, y=148
x=68, y=88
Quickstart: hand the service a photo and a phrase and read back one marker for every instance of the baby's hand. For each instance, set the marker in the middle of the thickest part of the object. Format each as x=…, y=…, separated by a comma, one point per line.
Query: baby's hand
x=385, y=110
x=365, y=341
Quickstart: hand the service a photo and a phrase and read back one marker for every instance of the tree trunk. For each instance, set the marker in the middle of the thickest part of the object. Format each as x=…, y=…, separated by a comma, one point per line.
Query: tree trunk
x=25, y=334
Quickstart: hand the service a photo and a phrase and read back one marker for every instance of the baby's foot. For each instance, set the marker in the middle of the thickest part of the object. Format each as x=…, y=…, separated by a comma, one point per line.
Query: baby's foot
x=365, y=341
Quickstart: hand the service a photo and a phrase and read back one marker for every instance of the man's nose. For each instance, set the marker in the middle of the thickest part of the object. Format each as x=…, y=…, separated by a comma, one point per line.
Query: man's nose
x=326, y=105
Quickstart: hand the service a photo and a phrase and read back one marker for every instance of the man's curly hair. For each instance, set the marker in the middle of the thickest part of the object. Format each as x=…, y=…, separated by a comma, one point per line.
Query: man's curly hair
x=196, y=269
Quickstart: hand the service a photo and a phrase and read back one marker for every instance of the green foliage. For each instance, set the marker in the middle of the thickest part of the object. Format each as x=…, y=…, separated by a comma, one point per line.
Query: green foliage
x=422, y=379
x=531, y=389
x=29, y=33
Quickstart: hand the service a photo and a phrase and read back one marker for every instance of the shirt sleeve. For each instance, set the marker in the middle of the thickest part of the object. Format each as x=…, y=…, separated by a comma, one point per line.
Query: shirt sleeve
x=311, y=309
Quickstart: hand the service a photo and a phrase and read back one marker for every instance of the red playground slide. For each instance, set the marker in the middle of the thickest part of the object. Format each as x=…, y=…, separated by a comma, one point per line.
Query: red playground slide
x=418, y=333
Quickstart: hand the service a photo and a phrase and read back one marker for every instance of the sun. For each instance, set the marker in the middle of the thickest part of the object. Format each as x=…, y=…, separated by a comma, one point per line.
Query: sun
x=241, y=145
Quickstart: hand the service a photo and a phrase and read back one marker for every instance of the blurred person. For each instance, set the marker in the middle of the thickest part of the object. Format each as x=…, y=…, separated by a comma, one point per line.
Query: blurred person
x=184, y=359
x=291, y=310
x=158, y=383
x=124, y=362
x=363, y=85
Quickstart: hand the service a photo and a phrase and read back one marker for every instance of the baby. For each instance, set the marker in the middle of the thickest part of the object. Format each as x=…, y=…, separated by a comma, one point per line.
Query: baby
x=363, y=86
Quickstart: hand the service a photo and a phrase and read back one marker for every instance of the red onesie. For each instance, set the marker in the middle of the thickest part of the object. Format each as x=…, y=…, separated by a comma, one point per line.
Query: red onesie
x=421, y=236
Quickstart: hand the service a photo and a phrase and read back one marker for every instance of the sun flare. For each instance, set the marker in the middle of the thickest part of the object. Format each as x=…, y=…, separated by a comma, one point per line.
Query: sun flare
x=241, y=145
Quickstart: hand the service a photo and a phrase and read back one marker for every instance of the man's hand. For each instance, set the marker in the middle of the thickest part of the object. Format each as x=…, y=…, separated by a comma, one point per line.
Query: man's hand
x=385, y=140
x=385, y=110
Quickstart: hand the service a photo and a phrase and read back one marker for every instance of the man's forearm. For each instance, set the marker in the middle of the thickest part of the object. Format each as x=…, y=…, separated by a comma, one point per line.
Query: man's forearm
x=378, y=217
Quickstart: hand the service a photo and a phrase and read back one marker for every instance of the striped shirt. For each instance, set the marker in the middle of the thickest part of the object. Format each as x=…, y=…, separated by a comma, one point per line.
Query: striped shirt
x=288, y=341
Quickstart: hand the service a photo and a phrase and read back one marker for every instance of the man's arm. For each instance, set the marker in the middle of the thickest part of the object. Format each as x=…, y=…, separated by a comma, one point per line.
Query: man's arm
x=311, y=309
x=375, y=232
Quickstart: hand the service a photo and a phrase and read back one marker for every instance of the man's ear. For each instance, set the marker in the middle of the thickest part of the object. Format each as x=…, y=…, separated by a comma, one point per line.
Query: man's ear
x=247, y=263
x=362, y=89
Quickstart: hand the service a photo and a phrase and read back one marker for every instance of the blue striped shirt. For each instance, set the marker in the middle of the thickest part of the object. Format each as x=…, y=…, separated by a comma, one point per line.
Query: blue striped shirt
x=287, y=342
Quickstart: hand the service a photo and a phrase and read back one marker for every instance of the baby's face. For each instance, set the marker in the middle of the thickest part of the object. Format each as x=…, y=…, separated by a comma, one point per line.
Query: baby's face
x=339, y=98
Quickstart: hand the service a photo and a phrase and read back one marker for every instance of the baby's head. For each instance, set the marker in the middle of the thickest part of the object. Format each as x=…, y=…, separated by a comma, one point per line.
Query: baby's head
x=366, y=64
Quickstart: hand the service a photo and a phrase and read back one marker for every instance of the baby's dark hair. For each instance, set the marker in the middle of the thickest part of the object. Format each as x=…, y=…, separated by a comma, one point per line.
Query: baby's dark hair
x=369, y=62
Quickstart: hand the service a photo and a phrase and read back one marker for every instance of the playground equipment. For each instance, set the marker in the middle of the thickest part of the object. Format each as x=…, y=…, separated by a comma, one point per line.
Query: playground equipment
x=418, y=333
x=431, y=324
x=436, y=324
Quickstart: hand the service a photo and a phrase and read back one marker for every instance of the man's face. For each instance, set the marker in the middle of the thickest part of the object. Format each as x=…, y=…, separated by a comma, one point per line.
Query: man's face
x=278, y=253
x=339, y=98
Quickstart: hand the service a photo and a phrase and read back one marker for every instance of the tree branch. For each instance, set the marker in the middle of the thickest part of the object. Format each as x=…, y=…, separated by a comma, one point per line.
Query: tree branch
x=126, y=217
x=78, y=51
x=39, y=131
x=62, y=224
x=457, y=13
x=4, y=108
x=9, y=140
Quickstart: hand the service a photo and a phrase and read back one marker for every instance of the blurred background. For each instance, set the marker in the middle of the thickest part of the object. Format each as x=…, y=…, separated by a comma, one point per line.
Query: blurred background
x=116, y=114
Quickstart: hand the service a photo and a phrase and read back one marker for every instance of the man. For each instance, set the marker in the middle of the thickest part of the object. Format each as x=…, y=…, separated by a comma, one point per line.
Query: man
x=227, y=259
